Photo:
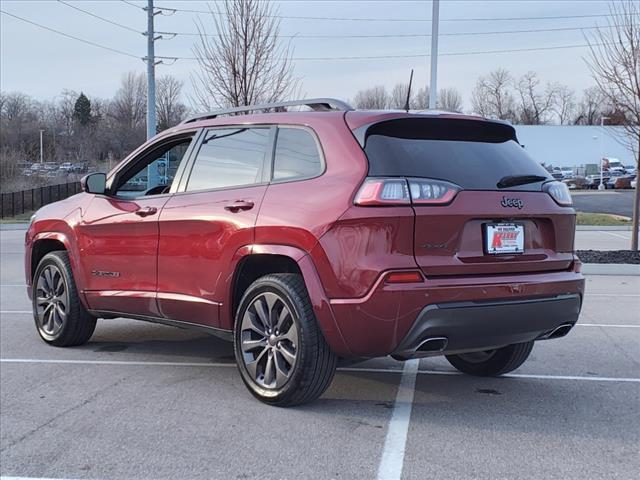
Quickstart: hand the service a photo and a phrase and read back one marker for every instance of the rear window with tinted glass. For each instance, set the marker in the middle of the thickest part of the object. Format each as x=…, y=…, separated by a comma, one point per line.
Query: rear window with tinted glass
x=297, y=155
x=475, y=155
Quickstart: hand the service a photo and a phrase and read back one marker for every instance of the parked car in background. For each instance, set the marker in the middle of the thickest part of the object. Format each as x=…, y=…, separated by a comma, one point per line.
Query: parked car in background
x=621, y=182
x=593, y=181
x=576, y=183
x=80, y=167
x=613, y=176
x=567, y=172
x=630, y=169
x=634, y=182
x=66, y=167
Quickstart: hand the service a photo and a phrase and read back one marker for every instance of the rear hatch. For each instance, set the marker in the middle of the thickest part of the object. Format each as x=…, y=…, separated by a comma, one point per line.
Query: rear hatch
x=482, y=204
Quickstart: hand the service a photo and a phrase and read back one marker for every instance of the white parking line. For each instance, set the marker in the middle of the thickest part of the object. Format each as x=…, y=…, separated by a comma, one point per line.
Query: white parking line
x=605, y=325
x=345, y=369
x=392, y=460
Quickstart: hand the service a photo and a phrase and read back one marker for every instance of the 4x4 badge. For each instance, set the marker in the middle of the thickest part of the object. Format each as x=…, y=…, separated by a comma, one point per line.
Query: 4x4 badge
x=512, y=202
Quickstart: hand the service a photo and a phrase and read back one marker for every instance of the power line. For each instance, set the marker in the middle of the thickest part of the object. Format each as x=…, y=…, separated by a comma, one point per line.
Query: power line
x=360, y=19
x=100, y=18
x=408, y=35
x=420, y=55
x=88, y=42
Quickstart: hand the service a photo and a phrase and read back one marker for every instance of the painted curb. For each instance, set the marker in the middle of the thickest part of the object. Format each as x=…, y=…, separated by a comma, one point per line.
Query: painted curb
x=610, y=269
x=602, y=228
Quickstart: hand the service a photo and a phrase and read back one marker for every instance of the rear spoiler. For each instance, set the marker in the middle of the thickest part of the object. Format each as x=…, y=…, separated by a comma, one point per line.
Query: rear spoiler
x=434, y=128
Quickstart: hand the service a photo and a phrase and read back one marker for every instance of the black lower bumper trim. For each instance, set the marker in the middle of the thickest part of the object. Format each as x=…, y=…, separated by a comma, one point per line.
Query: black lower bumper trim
x=470, y=326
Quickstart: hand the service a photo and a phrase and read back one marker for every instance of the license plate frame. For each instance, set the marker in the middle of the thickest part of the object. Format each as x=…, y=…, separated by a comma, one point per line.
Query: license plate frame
x=503, y=238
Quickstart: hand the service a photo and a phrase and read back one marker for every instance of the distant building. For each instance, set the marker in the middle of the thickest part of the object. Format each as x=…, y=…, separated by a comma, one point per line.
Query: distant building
x=573, y=145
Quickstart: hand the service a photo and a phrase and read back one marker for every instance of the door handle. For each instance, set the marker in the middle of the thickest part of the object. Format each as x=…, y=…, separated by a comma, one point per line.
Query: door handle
x=146, y=211
x=238, y=205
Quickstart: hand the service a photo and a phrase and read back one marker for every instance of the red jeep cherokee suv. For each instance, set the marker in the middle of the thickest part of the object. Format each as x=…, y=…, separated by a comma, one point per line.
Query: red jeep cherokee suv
x=311, y=236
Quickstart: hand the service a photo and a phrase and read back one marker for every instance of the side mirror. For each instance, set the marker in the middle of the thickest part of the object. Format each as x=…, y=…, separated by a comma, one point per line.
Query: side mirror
x=94, y=183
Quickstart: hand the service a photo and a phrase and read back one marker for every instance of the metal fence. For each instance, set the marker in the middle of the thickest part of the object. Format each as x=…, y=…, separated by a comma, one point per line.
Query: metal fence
x=16, y=203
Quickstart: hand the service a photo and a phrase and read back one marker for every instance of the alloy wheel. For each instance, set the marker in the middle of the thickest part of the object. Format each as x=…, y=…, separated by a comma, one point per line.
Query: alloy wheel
x=269, y=341
x=51, y=300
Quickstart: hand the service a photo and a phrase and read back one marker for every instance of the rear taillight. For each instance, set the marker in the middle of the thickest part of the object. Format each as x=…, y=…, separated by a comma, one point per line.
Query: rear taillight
x=559, y=192
x=404, y=191
x=431, y=192
x=383, y=191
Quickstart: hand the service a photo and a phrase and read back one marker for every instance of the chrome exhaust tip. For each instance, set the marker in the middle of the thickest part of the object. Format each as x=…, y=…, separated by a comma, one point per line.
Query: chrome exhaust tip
x=559, y=331
x=433, y=345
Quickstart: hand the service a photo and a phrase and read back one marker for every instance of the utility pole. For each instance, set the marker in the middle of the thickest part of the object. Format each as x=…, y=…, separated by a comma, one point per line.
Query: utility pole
x=41, y=154
x=433, y=87
x=151, y=72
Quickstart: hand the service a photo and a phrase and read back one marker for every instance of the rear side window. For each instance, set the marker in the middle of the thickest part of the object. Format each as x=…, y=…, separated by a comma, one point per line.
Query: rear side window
x=230, y=157
x=297, y=155
x=475, y=155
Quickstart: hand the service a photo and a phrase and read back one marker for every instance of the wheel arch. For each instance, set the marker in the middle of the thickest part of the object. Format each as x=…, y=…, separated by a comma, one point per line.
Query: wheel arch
x=253, y=262
x=45, y=242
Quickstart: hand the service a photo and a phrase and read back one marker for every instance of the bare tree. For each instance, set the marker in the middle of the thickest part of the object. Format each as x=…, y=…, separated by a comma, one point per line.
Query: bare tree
x=565, y=104
x=398, y=97
x=374, y=98
x=246, y=63
x=589, y=110
x=536, y=104
x=492, y=97
x=615, y=66
x=421, y=100
x=449, y=99
x=168, y=105
x=127, y=113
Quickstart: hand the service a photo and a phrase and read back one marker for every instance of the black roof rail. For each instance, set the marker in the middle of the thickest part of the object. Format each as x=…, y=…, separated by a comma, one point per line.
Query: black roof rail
x=317, y=104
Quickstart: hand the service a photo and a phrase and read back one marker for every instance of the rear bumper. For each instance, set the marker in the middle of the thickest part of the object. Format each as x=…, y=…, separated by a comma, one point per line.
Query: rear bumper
x=458, y=327
x=472, y=313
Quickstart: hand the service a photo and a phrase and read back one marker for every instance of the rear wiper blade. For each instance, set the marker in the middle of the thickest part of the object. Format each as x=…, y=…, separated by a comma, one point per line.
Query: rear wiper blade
x=514, y=180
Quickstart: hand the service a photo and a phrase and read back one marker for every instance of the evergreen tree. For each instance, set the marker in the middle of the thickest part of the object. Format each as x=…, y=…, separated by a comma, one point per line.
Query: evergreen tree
x=82, y=110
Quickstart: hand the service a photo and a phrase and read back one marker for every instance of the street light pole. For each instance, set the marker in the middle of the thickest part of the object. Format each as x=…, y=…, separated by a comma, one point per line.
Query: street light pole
x=41, y=154
x=602, y=119
x=433, y=87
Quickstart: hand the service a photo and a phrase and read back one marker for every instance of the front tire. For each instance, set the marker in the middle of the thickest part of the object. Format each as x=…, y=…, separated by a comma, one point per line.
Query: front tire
x=281, y=353
x=492, y=362
x=61, y=319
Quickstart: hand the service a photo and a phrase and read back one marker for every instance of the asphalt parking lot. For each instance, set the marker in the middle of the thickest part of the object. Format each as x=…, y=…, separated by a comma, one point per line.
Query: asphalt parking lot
x=615, y=202
x=144, y=401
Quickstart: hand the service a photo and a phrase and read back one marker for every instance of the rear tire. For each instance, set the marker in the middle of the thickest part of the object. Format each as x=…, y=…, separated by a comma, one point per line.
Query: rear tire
x=492, y=362
x=281, y=353
x=61, y=319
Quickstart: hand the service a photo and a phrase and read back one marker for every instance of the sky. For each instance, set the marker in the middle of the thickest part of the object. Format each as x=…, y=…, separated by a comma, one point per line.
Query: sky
x=42, y=63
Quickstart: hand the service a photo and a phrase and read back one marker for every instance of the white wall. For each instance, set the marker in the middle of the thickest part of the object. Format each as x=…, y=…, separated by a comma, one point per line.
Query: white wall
x=572, y=145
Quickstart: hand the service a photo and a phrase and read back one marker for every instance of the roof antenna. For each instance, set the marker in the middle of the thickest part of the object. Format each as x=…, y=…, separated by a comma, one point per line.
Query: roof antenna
x=406, y=105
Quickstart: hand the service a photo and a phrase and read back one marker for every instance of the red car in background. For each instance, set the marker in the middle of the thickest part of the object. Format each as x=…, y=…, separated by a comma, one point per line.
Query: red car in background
x=309, y=237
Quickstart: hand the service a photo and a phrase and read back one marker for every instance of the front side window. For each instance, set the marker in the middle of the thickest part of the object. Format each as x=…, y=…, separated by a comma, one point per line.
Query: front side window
x=297, y=155
x=155, y=173
x=230, y=157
